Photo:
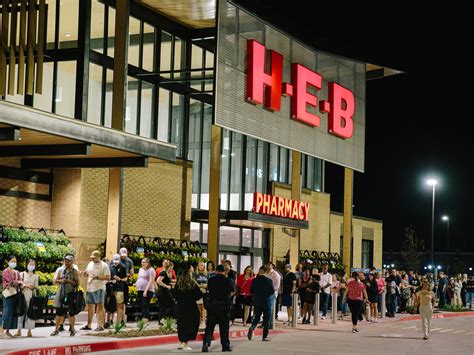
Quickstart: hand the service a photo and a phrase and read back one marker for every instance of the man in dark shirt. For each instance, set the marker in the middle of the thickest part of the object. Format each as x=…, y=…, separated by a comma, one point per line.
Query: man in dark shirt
x=442, y=287
x=231, y=274
x=262, y=290
x=289, y=287
x=220, y=290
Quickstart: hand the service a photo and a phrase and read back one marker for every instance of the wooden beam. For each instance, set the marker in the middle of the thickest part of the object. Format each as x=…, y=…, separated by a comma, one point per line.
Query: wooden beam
x=37, y=177
x=21, y=49
x=119, y=95
x=214, y=195
x=114, y=212
x=12, y=63
x=136, y=162
x=31, y=44
x=3, y=47
x=347, y=220
x=9, y=134
x=45, y=150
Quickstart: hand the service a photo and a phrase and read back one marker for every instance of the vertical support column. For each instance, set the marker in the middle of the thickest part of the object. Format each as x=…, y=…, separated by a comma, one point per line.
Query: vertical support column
x=119, y=96
x=295, y=195
x=82, y=72
x=346, y=242
x=214, y=195
x=114, y=211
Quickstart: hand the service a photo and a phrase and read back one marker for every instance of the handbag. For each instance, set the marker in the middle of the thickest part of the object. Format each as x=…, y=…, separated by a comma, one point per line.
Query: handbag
x=19, y=308
x=77, y=304
x=9, y=292
x=35, y=310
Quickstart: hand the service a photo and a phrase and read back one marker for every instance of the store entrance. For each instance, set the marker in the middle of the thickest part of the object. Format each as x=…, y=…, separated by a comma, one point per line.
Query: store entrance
x=241, y=260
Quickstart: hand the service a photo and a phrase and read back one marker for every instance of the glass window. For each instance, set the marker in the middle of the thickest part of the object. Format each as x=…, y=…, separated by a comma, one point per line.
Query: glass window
x=177, y=123
x=204, y=232
x=97, y=26
x=209, y=64
x=131, y=108
x=234, y=259
x=95, y=94
x=148, y=47
x=68, y=23
x=197, y=54
x=111, y=33
x=229, y=236
x=165, y=60
x=146, y=109
x=250, y=172
x=247, y=238
x=257, y=262
x=225, y=158
x=163, y=115
x=66, y=85
x=245, y=260
x=195, y=231
x=45, y=100
x=236, y=172
x=257, y=238
x=317, y=175
x=273, y=162
x=108, y=98
x=194, y=146
x=261, y=166
x=51, y=24
x=206, y=156
x=179, y=55
x=367, y=246
x=309, y=172
x=134, y=41
x=283, y=165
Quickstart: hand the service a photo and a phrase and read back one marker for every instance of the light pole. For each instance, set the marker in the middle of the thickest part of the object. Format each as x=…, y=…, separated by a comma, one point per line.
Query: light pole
x=432, y=182
x=446, y=219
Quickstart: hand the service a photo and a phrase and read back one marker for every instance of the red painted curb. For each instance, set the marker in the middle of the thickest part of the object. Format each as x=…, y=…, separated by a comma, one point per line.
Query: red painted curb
x=438, y=316
x=124, y=344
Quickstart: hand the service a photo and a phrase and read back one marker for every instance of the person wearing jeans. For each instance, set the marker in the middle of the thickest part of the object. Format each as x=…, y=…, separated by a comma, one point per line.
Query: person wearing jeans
x=273, y=275
x=426, y=300
x=470, y=293
x=145, y=288
x=356, y=295
x=326, y=281
x=263, y=294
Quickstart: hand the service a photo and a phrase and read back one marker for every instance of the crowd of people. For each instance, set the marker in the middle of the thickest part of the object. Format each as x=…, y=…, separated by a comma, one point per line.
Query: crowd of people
x=206, y=295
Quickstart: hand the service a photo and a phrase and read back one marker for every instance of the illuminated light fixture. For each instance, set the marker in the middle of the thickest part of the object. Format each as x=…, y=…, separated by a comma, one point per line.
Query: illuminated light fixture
x=430, y=267
x=439, y=267
x=445, y=218
x=393, y=265
x=67, y=34
x=431, y=182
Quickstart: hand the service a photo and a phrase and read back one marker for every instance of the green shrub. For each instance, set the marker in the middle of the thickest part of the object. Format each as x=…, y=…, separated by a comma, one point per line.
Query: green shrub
x=169, y=325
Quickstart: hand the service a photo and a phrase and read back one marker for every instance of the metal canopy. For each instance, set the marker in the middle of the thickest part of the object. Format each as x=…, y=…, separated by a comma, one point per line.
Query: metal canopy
x=248, y=219
x=65, y=142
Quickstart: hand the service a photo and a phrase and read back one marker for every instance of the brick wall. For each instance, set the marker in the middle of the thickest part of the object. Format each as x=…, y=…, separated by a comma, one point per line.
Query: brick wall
x=15, y=211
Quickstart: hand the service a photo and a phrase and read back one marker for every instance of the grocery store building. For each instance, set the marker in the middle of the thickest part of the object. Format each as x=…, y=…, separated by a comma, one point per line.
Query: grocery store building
x=182, y=123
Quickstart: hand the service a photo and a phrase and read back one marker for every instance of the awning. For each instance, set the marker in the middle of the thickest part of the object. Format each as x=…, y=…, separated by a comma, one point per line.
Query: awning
x=44, y=140
x=248, y=219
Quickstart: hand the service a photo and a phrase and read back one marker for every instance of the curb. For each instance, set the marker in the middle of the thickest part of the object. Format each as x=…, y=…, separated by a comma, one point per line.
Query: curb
x=439, y=316
x=124, y=344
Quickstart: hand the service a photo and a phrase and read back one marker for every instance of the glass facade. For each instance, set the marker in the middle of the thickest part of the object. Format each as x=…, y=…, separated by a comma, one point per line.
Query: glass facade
x=169, y=98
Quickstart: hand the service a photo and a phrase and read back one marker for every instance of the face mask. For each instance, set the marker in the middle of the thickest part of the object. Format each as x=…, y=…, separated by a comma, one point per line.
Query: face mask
x=31, y=268
x=12, y=265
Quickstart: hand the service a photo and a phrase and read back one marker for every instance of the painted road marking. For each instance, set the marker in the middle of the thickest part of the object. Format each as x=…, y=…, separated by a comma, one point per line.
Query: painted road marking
x=413, y=326
x=435, y=329
x=446, y=330
x=470, y=333
x=458, y=331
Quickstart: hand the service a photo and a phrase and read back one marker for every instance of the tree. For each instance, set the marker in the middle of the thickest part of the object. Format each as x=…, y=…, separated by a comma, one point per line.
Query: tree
x=412, y=249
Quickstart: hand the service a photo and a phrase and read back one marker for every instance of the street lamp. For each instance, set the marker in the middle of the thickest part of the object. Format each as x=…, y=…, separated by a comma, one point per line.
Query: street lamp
x=432, y=182
x=446, y=219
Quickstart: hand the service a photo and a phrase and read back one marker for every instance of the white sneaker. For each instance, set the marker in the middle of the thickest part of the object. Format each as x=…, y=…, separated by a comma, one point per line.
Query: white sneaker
x=187, y=348
x=323, y=317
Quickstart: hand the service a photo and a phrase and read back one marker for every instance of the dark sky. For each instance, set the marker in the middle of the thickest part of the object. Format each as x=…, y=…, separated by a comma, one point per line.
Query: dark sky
x=417, y=123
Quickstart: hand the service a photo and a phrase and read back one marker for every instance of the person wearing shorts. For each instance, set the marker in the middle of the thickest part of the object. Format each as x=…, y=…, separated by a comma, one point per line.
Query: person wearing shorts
x=118, y=274
x=289, y=287
x=97, y=273
x=67, y=279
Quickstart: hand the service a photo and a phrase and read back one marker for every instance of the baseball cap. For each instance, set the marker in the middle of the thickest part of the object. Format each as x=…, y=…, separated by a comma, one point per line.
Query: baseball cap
x=288, y=266
x=123, y=252
x=116, y=257
x=95, y=253
x=69, y=257
x=220, y=268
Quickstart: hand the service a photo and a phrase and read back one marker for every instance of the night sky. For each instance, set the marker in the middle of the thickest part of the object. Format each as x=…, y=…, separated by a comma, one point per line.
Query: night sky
x=417, y=123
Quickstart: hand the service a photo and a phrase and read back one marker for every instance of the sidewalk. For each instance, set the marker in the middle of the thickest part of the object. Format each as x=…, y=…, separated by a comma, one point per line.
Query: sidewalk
x=43, y=344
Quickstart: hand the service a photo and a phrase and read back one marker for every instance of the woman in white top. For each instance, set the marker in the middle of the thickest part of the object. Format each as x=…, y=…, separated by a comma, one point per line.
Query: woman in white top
x=30, y=284
x=426, y=300
x=457, y=301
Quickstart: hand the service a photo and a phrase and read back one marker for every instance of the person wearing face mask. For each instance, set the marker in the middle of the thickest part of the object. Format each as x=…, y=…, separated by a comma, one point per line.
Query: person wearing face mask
x=118, y=273
x=30, y=284
x=11, y=285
